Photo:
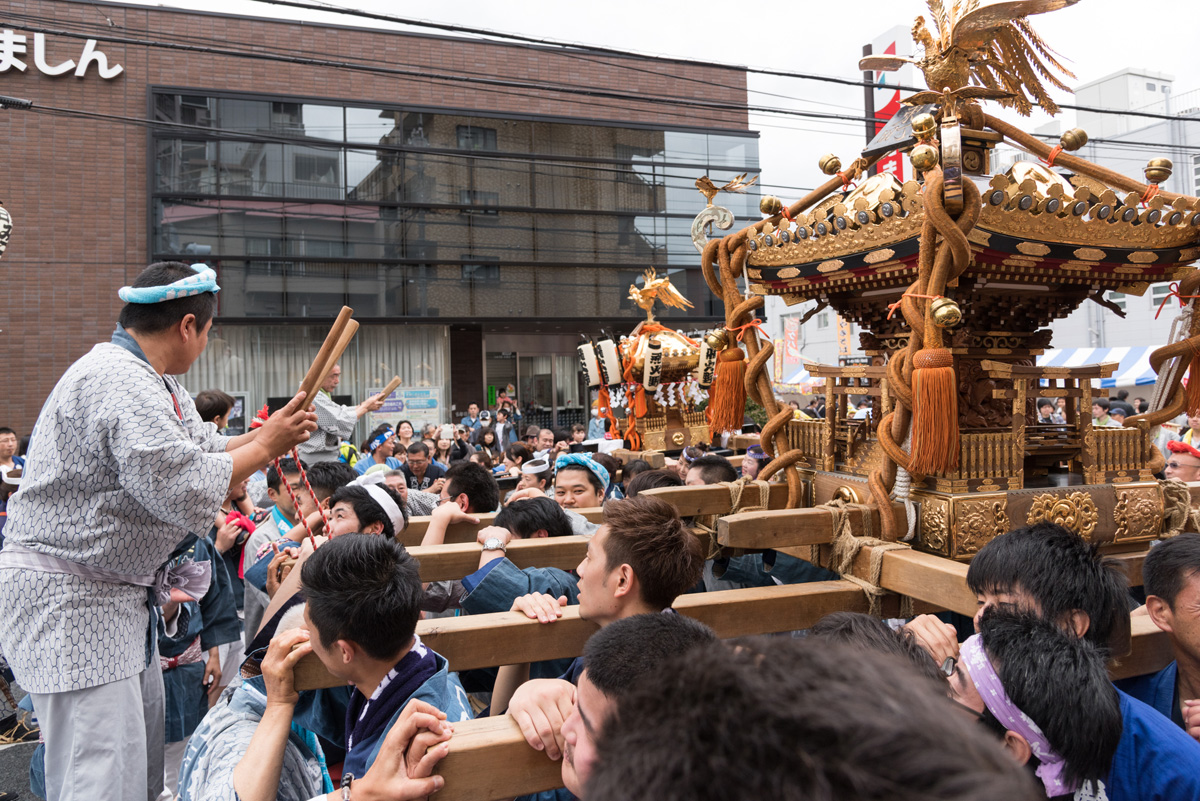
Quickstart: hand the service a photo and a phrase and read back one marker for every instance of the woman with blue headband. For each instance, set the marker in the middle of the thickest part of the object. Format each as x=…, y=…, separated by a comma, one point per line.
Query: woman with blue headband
x=121, y=470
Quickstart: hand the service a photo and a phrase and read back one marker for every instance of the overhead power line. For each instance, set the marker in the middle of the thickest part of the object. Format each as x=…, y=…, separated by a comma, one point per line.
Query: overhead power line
x=570, y=47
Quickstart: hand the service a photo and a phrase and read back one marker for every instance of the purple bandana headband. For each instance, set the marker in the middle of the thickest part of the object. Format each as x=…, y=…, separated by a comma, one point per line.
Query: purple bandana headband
x=987, y=682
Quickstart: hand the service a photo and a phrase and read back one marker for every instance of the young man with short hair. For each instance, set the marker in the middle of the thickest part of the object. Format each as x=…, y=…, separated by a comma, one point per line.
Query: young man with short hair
x=360, y=620
x=471, y=421
x=579, y=481
x=1052, y=572
x=782, y=718
x=1100, y=418
x=9, y=460
x=639, y=561
x=710, y=469
x=1171, y=579
x=615, y=659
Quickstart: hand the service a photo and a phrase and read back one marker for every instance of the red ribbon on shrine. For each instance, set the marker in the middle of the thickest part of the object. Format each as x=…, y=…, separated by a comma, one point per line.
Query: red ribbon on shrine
x=892, y=307
x=741, y=329
x=1174, y=293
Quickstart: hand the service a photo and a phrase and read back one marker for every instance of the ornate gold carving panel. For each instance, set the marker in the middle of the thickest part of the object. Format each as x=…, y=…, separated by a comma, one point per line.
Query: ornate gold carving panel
x=1138, y=514
x=1076, y=511
x=935, y=525
x=977, y=522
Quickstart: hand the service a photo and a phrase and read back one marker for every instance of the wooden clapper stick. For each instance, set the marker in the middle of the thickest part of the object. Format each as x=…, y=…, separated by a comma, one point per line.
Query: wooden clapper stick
x=332, y=348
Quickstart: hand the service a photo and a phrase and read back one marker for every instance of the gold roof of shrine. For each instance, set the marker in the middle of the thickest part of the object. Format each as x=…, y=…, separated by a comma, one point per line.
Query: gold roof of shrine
x=1034, y=228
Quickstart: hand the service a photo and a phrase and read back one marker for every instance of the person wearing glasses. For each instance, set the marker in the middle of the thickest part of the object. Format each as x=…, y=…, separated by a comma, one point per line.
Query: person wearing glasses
x=1184, y=463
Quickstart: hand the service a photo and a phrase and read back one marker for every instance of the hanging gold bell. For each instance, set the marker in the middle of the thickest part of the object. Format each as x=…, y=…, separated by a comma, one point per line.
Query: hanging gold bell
x=924, y=157
x=717, y=339
x=945, y=313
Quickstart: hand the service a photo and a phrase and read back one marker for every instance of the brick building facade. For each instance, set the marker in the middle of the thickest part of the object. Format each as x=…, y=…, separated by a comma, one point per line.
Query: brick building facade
x=478, y=204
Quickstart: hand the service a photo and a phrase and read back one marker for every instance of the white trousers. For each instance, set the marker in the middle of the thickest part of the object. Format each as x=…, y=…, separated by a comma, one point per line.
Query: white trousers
x=105, y=743
x=174, y=757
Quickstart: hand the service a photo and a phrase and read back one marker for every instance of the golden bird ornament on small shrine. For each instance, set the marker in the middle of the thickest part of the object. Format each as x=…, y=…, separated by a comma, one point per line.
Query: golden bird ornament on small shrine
x=710, y=190
x=656, y=289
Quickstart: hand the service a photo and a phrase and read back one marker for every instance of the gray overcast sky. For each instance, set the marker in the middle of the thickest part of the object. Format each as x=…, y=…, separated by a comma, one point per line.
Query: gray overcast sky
x=1096, y=37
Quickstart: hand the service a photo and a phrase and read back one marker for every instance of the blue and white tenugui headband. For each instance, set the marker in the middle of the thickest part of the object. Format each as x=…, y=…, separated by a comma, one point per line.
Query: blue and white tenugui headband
x=586, y=462
x=205, y=280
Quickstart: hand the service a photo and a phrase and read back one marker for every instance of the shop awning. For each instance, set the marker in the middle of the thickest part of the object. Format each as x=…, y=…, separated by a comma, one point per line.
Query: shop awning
x=800, y=382
x=1134, y=363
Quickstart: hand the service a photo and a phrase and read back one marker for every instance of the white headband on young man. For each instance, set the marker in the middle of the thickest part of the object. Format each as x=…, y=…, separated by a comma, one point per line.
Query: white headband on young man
x=371, y=485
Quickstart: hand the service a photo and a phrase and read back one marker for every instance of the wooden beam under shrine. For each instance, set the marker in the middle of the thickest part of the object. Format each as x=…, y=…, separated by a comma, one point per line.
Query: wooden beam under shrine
x=465, y=532
x=453, y=561
x=489, y=758
x=503, y=638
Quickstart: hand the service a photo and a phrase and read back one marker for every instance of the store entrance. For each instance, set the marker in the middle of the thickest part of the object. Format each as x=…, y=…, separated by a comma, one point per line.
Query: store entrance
x=542, y=372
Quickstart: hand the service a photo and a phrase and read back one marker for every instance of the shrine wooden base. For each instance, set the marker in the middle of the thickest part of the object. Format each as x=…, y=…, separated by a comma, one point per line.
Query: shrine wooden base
x=1120, y=516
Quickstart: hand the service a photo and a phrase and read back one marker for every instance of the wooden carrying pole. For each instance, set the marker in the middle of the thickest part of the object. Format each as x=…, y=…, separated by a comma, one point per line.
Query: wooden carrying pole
x=340, y=348
x=489, y=758
x=322, y=364
x=391, y=387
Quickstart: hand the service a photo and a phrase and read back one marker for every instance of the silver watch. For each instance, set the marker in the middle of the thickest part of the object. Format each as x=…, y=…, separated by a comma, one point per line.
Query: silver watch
x=494, y=544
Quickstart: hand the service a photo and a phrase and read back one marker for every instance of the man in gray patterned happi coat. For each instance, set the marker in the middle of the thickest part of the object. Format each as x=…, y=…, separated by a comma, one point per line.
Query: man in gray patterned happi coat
x=87, y=535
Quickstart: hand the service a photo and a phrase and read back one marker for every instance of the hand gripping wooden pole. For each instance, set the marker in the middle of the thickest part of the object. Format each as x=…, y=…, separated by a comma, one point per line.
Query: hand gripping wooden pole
x=391, y=387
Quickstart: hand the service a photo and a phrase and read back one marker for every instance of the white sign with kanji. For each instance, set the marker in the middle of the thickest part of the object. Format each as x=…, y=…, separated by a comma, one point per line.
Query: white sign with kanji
x=13, y=47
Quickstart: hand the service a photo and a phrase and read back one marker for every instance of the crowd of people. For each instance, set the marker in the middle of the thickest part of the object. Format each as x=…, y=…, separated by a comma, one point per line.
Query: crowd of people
x=162, y=586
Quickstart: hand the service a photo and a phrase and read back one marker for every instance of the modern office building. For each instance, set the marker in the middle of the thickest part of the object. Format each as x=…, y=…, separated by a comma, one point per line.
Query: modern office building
x=479, y=204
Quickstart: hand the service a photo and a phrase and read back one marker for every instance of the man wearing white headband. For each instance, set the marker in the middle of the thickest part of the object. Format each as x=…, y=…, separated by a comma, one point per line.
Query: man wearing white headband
x=80, y=573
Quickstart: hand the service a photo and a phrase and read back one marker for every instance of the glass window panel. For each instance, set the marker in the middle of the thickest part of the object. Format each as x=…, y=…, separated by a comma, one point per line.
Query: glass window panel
x=251, y=289
x=316, y=229
x=566, y=383
x=375, y=290
x=313, y=172
x=686, y=147
x=246, y=116
x=371, y=125
x=373, y=175
x=536, y=382
x=187, y=227
x=508, y=180
x=475, y=137
x=249, y=226
x=309, y=120
x=733, y=151
x=314, y=289
x=185, y=165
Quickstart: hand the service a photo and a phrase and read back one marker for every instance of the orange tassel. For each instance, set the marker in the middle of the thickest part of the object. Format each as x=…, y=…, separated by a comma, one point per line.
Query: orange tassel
x=727, y=396
x=1193, y=386
x=935, y=438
